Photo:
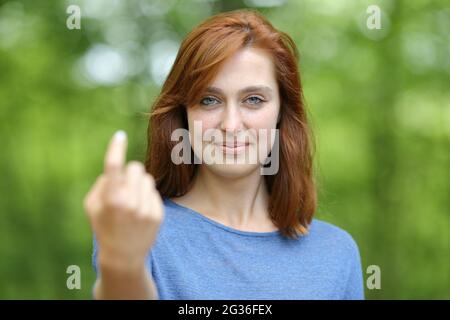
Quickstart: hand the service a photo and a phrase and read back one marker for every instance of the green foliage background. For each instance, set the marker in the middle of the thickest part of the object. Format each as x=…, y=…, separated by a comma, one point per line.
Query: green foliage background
x=378, y=100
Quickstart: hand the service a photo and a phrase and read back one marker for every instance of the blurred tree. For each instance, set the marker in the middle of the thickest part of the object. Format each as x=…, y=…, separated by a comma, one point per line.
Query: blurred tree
x=378, y=102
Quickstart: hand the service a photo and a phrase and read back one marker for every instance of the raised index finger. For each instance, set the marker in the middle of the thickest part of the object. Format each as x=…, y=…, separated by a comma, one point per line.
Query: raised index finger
x=116, y=154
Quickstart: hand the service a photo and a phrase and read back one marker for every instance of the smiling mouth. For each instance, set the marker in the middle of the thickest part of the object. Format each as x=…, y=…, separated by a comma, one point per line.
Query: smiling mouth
x=233, y=148
x=233, y=145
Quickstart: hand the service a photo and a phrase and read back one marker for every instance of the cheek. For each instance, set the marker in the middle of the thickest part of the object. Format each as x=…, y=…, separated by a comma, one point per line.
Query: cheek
x=262, y=119
x=264, y=123
x=201, y=121
x=207, y=119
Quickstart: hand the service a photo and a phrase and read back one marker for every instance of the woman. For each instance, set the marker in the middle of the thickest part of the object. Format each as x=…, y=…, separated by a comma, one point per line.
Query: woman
x=191, y=224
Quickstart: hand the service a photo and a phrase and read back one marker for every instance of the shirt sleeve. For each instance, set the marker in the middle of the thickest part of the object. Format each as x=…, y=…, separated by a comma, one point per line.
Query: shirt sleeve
x=355, y=284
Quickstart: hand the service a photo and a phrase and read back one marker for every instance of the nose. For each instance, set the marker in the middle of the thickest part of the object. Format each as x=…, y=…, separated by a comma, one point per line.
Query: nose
x=231, y=121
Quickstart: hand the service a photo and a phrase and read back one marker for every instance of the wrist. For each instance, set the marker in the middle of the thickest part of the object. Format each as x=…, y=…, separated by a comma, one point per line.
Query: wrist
x=126, y=266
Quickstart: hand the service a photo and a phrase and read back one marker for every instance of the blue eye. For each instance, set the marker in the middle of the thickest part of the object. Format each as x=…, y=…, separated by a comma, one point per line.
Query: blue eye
x=254, y=100
x=209, y=101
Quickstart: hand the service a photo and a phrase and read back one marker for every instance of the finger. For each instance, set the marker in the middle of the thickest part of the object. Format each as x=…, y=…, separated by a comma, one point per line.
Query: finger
x=134, y=173
x=116, y=154
x=144, y=205
x=146, y=195
x=92, y=201
x=154, y=199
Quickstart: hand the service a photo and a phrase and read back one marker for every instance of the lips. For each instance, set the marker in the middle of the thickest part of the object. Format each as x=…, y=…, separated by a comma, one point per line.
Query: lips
x=235, y=148
x=233, y=145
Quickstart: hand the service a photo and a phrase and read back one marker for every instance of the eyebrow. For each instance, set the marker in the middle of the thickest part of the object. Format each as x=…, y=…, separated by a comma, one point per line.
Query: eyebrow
x=249, y=89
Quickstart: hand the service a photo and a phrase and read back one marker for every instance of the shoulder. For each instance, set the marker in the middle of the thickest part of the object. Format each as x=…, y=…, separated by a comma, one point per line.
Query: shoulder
x=336, y=246
x=332, y=236
x=340, y=248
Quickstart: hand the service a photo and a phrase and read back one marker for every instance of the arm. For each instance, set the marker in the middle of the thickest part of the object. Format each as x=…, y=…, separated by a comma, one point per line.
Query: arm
x=126, y=284
x=125, y=212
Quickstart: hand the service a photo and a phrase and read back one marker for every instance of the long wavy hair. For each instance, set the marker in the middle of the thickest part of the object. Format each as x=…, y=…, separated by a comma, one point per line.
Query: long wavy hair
x=292, y=190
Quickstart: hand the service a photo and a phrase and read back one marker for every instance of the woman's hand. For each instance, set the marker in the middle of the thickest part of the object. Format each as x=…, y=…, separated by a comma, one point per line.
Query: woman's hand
x=125, y=210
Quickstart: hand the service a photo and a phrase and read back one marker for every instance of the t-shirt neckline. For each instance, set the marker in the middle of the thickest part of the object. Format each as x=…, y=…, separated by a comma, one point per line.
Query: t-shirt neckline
x=222, y=226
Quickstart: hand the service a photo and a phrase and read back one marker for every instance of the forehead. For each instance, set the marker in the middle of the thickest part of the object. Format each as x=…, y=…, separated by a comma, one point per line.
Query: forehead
x=247, y=67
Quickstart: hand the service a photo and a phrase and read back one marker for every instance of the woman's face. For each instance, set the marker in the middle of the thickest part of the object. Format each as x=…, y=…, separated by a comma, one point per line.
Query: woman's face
x=238, y=114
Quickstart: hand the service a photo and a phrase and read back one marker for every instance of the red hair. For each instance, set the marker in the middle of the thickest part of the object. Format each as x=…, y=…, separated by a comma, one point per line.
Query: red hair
x=292, y=200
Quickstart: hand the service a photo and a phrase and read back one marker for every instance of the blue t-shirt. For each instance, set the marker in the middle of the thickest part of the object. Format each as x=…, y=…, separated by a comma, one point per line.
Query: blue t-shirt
x=195, y=257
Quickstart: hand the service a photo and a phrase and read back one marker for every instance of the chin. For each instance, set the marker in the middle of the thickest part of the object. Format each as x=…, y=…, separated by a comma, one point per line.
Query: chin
x=233, y=170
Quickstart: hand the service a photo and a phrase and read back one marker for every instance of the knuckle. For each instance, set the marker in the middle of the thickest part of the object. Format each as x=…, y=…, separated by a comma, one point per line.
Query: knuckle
x=94, y=190
x=135, y=165
x=149, y=176
x=88, y=201
x=148, y=217
x=157, y=214
x=87, y=204
x=142, y=215
x=114, y=202
x=131, y=207
x=148, y=213
x=150, y=179
x=92, y=207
